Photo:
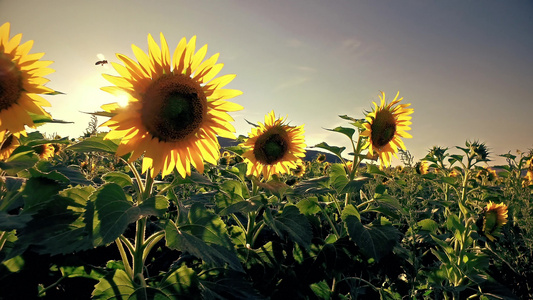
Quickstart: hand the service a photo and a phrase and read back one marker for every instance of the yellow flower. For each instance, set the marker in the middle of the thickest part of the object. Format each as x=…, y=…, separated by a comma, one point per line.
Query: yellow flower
x=422, y=167
x=45, y=151
x=175, y=109
x=20, y=83
x=321, y=157
x=274, y=147
x=528, y=178
x=495, y=218
x=300, y=169
x=387, y=123
x=9, y=145
x=454, y=173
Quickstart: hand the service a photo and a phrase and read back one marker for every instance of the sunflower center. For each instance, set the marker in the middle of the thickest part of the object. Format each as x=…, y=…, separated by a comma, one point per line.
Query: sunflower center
x=173, y=107
x=383, y=128
x=10, y=83
x=270, y=148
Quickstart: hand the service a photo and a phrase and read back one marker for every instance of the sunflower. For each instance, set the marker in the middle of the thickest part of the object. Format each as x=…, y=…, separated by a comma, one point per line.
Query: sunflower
x=20, y=83
x=495, y=217
x=422, y=167
x=300, y=169
x=274, y=147
x=387, y=123
x=9, y=145
x=45, y=151
x=528, y=178
x=175, y=109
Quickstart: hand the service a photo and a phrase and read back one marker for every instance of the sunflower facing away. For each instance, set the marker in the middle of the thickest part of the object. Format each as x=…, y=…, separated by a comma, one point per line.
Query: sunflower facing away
x=274, y=147
x=20, y=82
x=495, y=218
x=175, y=108
x=387, y=124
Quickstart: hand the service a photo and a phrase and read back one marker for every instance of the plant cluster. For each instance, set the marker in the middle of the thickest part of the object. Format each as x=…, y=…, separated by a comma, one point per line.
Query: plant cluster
x=155, y=209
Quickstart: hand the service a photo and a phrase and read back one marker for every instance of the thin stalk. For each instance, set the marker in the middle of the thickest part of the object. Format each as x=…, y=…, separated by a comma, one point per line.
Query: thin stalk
x=330, y=223
x=256, y=233
x=124, y=257
x=3, y=239
x=128, y=244
x=138, y=262
x=43, y=291
x=151, y=241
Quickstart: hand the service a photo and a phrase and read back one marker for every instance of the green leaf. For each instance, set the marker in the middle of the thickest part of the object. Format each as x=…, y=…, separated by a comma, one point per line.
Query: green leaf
x=309, y=206
x=428, y=225
x=321, y=290
x=182, y=282
x=58, y=225
x=96, y=143
x=119, y=178
x=113, y=213
x=292, y=223
x=10, y=222
x=374, y=170
x=333, y=149
x=39, y=120
x=154, y=206
x=374, y=241
x=210, y=253
x=24, y=159
x=350, y=211
x=349, y=132
x=117, y=285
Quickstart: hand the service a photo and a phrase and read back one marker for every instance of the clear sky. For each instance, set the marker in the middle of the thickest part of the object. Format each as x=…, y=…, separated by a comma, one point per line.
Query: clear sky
x=466, y=66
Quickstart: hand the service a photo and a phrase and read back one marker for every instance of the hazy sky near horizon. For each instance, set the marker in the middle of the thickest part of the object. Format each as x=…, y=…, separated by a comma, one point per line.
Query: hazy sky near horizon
x=465, y=66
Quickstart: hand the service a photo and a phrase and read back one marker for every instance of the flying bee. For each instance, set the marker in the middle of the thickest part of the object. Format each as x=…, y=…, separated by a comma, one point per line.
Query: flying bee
x=101, y=62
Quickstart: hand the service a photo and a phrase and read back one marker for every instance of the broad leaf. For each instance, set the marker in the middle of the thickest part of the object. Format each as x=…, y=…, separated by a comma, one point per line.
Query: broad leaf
x=119, y=178
x=333, y=149
x=117, y=285
x=96, y=143
x=374, y=241
x=292, y=223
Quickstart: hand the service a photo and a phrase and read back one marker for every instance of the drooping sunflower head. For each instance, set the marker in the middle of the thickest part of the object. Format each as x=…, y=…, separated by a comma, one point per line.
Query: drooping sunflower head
x=21, y=82
x=274, y=147
x=175, y=108
x=528, y=178
x=422, y=167
x=386, y=125
x=495, y=217
x=9, y=144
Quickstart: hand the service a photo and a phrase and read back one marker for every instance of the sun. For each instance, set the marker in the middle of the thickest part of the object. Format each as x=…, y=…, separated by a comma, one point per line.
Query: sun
x=274, y=147
x=385, y=126
x=21, y=82
x=175, y=109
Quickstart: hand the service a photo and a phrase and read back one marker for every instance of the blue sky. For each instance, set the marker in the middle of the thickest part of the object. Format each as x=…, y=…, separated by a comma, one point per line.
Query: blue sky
x=466, y=66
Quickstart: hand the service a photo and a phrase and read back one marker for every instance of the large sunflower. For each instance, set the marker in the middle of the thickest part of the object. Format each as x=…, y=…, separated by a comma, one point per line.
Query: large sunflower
x=20, y=82
x=274, y=147
x=175, y=109
x=387, y=124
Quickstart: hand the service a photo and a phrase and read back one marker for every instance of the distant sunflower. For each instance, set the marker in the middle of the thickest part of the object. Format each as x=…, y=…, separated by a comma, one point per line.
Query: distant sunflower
x=175, y=109
x=387, y=123
x=495, y=217
x=274, y=147
x=300, y=169
x=9, y=145
x=20, y=82
x=528, y=178
x=44, y=151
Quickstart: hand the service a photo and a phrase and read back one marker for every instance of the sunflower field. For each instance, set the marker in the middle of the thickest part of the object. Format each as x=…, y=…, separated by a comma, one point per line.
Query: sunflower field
x=163, y=201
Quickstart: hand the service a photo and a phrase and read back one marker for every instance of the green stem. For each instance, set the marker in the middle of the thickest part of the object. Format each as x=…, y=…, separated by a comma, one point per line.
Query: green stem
x=138, y=262
x=124, y=257
x=256, y=233
x=43, y=291
x=330, y=223
x=151, y=241
x=3, y=239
